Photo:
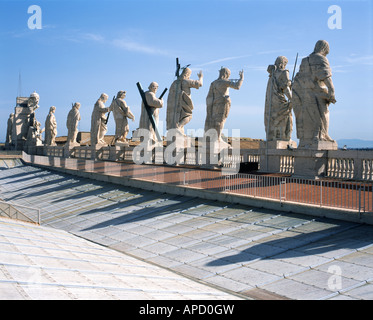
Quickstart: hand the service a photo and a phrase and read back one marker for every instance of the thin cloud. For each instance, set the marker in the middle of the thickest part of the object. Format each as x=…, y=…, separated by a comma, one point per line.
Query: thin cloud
x=362, y=60
x=124, y=44
x=224, y=59
x=133, y=46
x=241, y=57
x=92, y=37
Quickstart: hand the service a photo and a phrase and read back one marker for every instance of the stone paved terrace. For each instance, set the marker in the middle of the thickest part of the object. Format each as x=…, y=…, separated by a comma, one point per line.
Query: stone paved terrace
x=256, y=253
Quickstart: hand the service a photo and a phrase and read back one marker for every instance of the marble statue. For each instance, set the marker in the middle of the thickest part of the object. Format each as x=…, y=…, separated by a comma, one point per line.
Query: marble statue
x=9, y=130
x=73, y=119
x=179, y=102
x=34, y=136
x=50, y=128
x=155, y=104
x=33, y=104
x=121, y=112
x=313, y=92
x=278, y=119
x=98, y=121
x=218, y=102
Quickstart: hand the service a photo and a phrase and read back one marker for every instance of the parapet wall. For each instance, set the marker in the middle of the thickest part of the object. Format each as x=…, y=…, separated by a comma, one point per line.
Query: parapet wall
x=354, y=165
x=349, y=201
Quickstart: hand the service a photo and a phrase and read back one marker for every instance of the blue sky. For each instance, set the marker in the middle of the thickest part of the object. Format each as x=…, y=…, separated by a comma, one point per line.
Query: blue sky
x=88, y=47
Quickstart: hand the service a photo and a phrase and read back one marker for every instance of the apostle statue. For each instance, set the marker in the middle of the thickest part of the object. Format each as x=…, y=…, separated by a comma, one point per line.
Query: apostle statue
x=34, y=135
x=51, y=128
x=155, y=104
x=121, y=112
x=218, y=102
x=9, y=130
x=313, y=92
x=179, y=102
x=33, y=104
x=278, y=119
x=73, y=119
x=99, y=121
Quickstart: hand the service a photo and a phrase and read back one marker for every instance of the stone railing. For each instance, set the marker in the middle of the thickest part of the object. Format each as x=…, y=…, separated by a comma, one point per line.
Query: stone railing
x=350, y=164
x=337, y=164
x=287, y=164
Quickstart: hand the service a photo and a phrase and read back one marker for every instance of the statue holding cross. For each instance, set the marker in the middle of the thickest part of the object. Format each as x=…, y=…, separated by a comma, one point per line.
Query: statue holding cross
x=150, y=106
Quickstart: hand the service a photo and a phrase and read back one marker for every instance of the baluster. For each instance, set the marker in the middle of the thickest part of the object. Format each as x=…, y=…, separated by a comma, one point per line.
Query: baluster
x=333, y=168
x=343, y=168
x=364, y=175
x=328, y=171
x=338, y=168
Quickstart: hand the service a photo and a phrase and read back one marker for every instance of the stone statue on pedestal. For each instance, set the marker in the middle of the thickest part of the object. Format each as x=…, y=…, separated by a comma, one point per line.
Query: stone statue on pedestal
x=278, y=119
x=73, y=119
x=33, y=104
x=155, y=104
x=218, y=103
x=179, y=102
x=9, y=130
x=121, y=112
x=98, y=121
x=24, y=121
x=34, y=136
x=313, y=92
x=51, y=128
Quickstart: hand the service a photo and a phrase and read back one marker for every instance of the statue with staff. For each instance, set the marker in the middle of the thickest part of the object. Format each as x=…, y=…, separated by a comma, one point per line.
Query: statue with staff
x=179, y=102
x=278, y=119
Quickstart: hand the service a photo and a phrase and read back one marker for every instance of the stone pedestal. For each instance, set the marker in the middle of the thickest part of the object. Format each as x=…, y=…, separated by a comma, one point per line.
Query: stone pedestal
x=121, y=144
x=317, y=145
x=278, y=144
x=135, y=135
x=310, y=164
x=177, y=144
x=274, y=153
x=69, y=150
x=21, y=126
x=116, y=152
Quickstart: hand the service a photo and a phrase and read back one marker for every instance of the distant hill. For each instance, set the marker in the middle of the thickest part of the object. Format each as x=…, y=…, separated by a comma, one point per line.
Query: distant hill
x=355, y=143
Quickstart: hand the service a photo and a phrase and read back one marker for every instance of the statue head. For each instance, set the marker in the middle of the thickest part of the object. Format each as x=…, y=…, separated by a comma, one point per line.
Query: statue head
x=104, y=97
x=281, y=62
x=224, y=73
x=33, y=100
x=76, y=105
x=52, y=109
x=34, y=96
x=153, y=87
x=11, y=115
x=121, y=94
x=322, y=47
x=186, y=73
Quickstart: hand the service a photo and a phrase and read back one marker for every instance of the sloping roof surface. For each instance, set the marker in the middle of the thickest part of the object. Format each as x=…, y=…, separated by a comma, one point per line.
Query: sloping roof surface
x=250, y=251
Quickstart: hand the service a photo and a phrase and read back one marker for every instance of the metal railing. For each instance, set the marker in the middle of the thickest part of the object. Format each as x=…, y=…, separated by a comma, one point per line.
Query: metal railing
x=19, y=212
x=355, y=196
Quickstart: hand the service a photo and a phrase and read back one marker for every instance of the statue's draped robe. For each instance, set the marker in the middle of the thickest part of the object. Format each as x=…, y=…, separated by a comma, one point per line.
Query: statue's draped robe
x=72, y=121
x=155, y=104
x=310, y=98
x=98, y=123
x=278, y=119
x=218, y=104
x=179, y=103
x=50, y=129
x=121, y=111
